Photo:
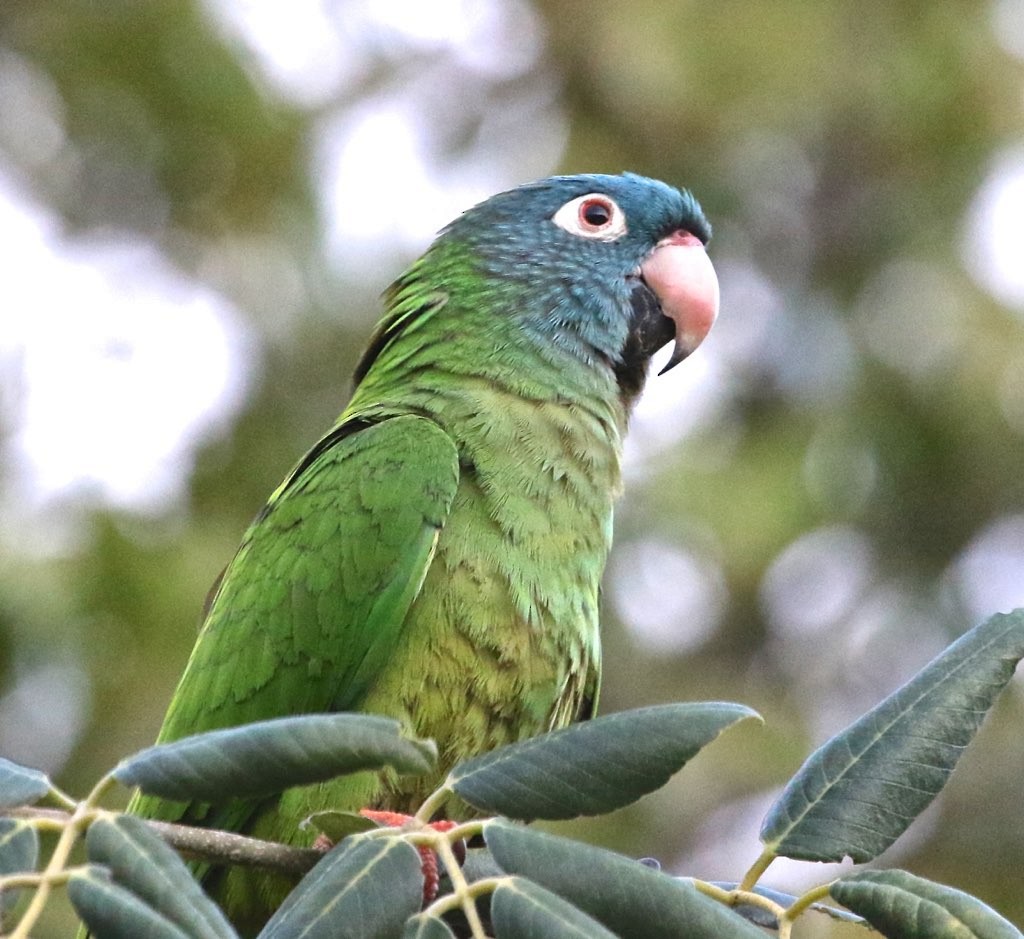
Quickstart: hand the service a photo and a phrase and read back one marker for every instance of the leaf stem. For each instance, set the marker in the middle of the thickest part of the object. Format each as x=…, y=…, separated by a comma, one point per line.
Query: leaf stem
x=98, y=791
x=62, y=798
x=465, y=830
x=814, y=895
x=432, y=803
x=478, y=888
x=460, y=887
x=758, y=868
x=79, y=819
x=22, y=880
x=739, y=897
x=710, y=890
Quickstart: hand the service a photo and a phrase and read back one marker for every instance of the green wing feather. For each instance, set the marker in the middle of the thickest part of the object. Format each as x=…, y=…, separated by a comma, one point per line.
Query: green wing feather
x=315, y=599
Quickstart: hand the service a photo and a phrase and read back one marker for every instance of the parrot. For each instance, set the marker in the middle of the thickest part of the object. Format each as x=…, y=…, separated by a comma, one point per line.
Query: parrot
x=436, y=557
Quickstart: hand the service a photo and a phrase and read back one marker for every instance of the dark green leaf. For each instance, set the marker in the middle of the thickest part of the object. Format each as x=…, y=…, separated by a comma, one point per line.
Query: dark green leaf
x=479, y=864
x=111, y=912
x=20, y=785
x=858, y=793
x=902, y=906
x=19, y=851
x=365, y=888
x=423, y=926
x=633, y=901
x=266, y=757
x=140, y=862
x=592, y=767
x=338, y=825
x=523, y=910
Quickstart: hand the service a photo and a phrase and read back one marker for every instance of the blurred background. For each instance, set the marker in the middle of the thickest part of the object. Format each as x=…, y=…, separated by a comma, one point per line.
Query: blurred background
x=200, y=201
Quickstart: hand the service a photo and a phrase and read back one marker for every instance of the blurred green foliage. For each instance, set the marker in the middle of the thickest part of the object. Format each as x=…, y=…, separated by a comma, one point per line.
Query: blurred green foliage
x=864, y=440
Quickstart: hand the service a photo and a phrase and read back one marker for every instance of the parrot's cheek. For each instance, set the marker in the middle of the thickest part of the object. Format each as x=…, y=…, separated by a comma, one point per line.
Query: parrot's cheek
x=681, y=275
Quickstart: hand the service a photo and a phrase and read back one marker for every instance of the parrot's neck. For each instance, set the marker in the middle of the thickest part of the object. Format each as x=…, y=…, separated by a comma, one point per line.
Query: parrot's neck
x=534, y=413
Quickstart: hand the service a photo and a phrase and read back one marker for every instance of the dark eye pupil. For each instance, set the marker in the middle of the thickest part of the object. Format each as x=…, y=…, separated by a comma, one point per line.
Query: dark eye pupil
x=596, y=214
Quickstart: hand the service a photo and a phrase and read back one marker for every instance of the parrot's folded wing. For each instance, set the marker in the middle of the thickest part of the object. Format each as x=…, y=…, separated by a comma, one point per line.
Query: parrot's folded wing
x=314, y=601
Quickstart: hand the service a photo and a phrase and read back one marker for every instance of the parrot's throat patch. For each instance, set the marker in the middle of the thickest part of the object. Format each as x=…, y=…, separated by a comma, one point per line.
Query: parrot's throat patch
x=649, y=330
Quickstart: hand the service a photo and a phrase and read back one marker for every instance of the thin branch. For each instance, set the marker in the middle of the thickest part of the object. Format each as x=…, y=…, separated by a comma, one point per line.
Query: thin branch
x=205, y=844
x=209, y=844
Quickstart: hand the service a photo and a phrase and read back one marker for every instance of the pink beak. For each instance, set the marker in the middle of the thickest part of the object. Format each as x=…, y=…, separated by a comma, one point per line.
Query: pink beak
x=681, y=275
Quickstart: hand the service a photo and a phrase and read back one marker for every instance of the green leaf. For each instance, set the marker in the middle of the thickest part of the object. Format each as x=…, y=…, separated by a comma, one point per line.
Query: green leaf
x=365, y=888
x=522, y=910
x=859, y=792
x=269, y=756
x=338, y=825
x=19, y=851
x=902, y=906
x=592, y=767
x=423, y=926
x=111, y=912
x=633, y=901
x=479, y=864
x=140, y=862
x=20, y=785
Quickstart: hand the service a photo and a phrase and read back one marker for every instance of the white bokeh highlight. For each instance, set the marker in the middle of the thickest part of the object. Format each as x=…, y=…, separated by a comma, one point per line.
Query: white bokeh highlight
x=815, y=582
x=115, y=367
x=670, y=597
x=994, y=249
x=43, y=711
x=990, y=571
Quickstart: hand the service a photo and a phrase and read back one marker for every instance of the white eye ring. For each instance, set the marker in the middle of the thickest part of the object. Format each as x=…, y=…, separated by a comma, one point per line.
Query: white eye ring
x=595, y=216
